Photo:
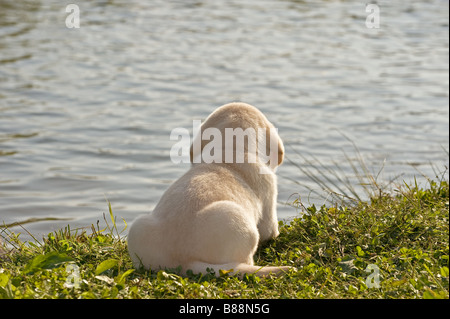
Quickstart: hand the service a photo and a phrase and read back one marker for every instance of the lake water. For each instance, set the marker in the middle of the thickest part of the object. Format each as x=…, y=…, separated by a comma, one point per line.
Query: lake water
x=86, y=113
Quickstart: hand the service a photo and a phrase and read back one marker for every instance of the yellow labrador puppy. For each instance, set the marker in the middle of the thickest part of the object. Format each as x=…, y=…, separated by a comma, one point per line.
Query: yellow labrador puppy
x=217, y=213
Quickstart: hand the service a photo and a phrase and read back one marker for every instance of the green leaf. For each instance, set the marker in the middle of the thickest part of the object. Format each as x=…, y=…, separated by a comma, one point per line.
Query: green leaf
x=444, y=271
x=120, y=279
x=360, y=251
x=111, y=215
x=105, y=265
x=47, y=261
x=4, y=278
x=224, y=272
x=430, y=294
x=162, y=275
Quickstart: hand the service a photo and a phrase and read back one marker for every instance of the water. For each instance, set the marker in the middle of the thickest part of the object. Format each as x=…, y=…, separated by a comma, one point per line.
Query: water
x=86, y=114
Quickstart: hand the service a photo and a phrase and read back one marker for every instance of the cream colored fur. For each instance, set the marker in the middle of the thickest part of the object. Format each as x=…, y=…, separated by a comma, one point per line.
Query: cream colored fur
x=216, y=214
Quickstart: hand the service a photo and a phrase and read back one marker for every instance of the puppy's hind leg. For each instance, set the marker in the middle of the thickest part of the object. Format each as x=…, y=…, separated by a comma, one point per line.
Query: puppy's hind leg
x=226, y=238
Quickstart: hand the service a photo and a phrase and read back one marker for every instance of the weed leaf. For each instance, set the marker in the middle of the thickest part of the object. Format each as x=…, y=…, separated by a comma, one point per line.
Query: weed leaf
x=105, y=265
x=47, y=261
x=4, y=278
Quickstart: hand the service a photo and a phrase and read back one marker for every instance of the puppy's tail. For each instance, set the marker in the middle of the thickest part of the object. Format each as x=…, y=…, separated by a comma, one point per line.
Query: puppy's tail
x=239, y=269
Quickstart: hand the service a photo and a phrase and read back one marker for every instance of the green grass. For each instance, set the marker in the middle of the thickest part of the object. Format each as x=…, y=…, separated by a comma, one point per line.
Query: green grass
x=404, y=235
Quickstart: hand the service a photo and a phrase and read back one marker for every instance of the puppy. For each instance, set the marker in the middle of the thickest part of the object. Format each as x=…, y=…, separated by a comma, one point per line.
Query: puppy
x=217, y=213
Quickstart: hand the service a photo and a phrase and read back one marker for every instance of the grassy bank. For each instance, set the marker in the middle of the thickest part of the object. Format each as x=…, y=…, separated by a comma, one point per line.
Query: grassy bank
x=395, y=246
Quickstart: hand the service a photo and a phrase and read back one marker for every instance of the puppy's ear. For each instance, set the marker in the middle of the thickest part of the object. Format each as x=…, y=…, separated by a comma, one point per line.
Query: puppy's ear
x=280, y=151
x=275, y=147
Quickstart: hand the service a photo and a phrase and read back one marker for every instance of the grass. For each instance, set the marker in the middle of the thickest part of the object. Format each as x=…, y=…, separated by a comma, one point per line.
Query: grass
x=335, y=184
x=394, y=246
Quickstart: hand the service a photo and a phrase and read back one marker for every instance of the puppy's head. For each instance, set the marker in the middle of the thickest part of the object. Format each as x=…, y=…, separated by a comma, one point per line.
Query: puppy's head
x=235, y=131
